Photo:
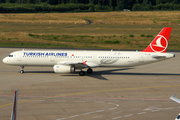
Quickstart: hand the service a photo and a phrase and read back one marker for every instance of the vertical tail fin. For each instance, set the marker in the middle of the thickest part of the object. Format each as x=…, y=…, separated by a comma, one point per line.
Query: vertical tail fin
x=14, y=111
x=160, y=42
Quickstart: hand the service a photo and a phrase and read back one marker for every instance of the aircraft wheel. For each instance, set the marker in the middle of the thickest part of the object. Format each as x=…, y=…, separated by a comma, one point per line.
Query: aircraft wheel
x=82, y=73
x=89, y=71
x=22, y=71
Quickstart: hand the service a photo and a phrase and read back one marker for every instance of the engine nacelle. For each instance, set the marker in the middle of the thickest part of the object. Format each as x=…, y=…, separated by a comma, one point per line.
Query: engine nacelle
x=63, y=69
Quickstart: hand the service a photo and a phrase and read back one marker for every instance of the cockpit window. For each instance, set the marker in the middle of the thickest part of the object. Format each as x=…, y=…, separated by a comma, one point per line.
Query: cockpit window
x=10, y=55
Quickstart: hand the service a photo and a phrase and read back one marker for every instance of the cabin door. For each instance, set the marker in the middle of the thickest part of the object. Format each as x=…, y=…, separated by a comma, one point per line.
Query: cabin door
x=141, y=57
x=19, y=56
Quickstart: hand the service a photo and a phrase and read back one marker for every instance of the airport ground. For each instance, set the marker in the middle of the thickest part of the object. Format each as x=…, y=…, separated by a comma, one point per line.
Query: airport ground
x=135, y=93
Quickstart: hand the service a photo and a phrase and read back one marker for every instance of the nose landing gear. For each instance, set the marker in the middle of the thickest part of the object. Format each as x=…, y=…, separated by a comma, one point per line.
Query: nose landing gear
x=22, y=70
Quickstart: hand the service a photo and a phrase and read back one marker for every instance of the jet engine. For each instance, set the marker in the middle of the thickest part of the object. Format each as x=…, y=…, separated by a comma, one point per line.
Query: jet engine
x=63, y=69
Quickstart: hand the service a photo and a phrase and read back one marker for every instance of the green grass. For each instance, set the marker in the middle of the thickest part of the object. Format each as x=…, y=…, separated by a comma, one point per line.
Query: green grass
x=131, y=35
x=111, y=42
x=107, y=36
x=142, y=35
x=39, y=45
x=149, y=35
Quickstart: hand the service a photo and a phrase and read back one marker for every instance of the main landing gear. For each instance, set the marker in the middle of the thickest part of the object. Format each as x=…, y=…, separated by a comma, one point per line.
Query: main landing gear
x=22, y=70
x=89, y=71
x=82, y=73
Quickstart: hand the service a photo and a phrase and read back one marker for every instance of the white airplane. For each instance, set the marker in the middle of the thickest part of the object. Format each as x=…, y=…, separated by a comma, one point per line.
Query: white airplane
x=14, y=110
x=178, y=101
x=67, y=61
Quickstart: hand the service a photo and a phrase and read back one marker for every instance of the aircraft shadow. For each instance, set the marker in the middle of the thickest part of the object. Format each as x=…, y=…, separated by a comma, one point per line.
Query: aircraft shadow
x=39, y=71
x=99, y=74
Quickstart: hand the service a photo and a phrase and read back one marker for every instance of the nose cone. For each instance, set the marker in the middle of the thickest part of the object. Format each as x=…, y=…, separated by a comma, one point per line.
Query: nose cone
x=5, y=60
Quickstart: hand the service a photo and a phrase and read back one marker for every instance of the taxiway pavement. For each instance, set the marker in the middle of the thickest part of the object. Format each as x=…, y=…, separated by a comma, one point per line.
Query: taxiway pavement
x=135, y=93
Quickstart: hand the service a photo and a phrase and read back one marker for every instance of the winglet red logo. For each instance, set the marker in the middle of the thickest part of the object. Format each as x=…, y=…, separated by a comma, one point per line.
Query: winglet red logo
x=84, y=62
x=159, y=44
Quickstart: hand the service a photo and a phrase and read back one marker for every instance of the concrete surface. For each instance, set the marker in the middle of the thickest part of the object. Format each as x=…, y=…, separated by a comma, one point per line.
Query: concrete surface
x=136, y=93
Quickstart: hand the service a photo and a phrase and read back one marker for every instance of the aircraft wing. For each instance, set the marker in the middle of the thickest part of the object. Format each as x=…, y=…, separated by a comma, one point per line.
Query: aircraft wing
x=175, y=99
x=78, y=64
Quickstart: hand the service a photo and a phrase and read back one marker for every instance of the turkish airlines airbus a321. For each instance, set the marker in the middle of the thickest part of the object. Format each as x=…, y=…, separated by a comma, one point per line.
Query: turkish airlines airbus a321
x=68, y=61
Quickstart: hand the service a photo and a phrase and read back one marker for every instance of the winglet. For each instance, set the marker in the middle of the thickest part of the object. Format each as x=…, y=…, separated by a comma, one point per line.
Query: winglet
x=174, y=95
x=14, y=111
x=160, y=42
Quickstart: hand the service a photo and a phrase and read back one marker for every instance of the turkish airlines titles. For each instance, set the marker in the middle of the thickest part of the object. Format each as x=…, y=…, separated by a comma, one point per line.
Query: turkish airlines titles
x=43, y=54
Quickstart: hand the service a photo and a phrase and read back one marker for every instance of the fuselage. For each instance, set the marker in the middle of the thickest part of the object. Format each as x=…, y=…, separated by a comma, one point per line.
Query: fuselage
x=93, y=58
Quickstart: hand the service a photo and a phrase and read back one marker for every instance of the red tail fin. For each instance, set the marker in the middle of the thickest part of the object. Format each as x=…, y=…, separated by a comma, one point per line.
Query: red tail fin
x=160, y=42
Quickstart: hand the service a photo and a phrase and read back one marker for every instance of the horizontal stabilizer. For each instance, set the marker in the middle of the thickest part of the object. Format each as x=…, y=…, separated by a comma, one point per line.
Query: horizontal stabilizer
x=159, y=57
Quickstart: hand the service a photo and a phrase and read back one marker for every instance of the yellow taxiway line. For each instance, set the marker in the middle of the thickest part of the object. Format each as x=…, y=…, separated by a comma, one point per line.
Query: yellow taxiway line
x=136, y=88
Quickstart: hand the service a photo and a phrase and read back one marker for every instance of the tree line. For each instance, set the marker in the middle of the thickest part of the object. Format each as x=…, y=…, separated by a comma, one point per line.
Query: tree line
x=19, y=6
